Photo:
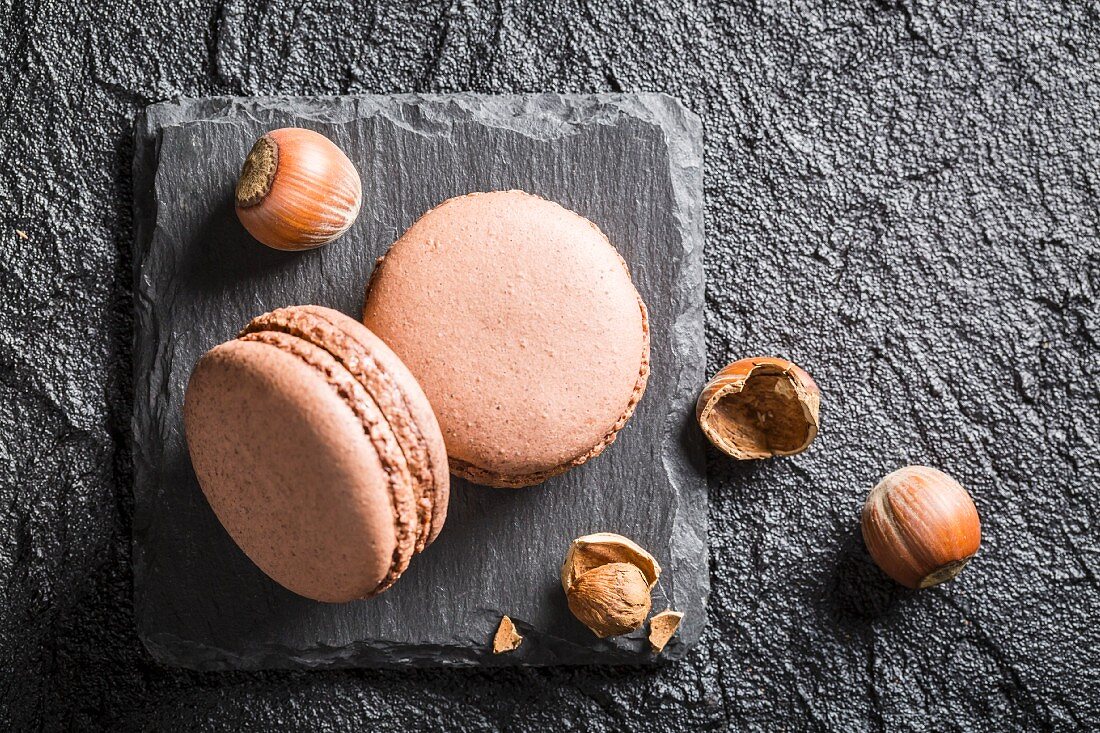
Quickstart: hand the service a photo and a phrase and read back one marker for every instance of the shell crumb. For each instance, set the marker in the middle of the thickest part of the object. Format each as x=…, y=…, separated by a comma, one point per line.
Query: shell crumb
x=507, y=639
x=661, y=629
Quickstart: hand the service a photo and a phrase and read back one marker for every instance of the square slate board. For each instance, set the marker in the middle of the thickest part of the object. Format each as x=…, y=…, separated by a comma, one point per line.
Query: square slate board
x=631, y=163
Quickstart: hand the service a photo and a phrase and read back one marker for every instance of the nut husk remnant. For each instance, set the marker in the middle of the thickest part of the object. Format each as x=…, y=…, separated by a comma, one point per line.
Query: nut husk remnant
x=611, y=599
x=507, y=639
x=662, y=627
x=594, y=550
x=759, y=408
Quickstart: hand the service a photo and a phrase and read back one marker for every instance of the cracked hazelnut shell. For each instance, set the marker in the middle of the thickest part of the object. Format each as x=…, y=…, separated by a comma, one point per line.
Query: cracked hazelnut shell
x=507, y=639
x=594, y=550
x=662, y=627
x=760, y=407
x=607, y=579
x=920, y=526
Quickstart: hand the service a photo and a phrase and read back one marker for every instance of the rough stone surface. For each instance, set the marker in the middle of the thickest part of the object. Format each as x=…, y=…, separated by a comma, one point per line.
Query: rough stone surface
x=902, y=197
x=631, y=163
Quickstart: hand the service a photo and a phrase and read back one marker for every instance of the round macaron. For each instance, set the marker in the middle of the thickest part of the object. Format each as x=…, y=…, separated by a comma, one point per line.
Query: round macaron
x=318, y=452
x=520, y=321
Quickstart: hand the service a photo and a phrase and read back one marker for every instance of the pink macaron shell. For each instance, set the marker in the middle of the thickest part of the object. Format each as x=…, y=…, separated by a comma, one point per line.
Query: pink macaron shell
x=288, y=469
x=521, y=323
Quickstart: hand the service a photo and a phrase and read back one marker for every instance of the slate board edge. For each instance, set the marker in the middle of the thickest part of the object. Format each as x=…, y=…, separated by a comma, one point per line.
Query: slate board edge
x=683, y=133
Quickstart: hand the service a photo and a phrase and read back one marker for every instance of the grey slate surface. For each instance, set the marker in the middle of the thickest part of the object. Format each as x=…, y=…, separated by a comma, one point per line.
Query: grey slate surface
x=901, y=196
x=631, y=163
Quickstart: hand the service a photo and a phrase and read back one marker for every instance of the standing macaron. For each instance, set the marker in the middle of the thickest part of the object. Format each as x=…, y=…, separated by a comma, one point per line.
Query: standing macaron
x=521, y=322
x=318, y=452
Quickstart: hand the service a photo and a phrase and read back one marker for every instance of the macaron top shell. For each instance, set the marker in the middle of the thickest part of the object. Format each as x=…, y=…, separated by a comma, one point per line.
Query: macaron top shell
x=289, y=471
x=392, y=388
x=521, y=322
x=328, y=490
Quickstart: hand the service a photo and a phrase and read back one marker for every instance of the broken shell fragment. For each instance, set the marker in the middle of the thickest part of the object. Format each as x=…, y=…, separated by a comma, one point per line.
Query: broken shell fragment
x=662, y=627
x=611, y=599
x=759, y=408
x=507, y=639
x=594, y=550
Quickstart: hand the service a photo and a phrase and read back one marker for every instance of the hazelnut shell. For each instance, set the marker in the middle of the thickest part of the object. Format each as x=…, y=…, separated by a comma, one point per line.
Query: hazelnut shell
x=662, y=627
x=594, y=550
x=297, y=190
x=759, y=408
x=507, y=639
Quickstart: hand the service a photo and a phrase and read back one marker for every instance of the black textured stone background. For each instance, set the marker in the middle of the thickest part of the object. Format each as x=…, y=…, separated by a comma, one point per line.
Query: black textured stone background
x=901, y=197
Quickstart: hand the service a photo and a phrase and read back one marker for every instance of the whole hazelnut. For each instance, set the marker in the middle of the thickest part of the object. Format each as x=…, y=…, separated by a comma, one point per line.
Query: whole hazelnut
x=920, y=526
x=297, y=190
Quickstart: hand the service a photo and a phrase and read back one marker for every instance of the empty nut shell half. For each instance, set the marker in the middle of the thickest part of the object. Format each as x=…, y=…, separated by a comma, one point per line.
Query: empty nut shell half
x=759, y=408
x=602, y=548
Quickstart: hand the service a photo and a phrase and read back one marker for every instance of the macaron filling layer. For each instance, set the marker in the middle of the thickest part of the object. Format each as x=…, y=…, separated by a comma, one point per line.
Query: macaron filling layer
x=318, y=326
